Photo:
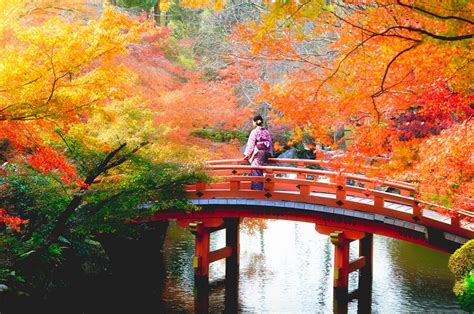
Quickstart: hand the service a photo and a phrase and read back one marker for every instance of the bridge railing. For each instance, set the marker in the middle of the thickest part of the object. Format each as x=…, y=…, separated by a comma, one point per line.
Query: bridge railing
x=406, y=189
x=331, y=188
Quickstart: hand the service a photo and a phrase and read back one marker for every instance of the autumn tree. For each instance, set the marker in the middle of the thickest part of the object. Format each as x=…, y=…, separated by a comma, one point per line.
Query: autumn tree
x=395, y=73
x=80, y=153
x=195, y=88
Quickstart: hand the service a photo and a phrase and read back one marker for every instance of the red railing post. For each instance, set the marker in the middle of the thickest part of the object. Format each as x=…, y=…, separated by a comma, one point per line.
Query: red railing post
x=379, y=201
x=340, y=188
x=305, y=189
x=417, y=210
x=269, y=183
x=300, y=165
x=200, y=186
x=234, y=184
x=456, y=220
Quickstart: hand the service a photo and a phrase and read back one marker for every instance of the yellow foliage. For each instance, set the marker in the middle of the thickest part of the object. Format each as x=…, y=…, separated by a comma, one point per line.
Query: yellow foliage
x=461, y=264
x=165, y=5
x=128, y=121
x=217, y=5
x=61, y=66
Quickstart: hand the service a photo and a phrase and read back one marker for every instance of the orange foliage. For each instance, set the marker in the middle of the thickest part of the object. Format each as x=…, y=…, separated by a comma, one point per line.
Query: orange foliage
x=56, y=72
x=185, y=99
x=11, y=221
x=445, y=166
x=47, y=160
x=25, y=143
x=393, y=74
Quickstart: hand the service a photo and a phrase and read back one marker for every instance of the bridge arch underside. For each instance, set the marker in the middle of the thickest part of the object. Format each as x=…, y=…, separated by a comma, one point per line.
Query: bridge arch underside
x=320, y=215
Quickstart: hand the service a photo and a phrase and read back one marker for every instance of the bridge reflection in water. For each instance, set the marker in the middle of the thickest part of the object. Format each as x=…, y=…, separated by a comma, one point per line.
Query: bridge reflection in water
x=287, y=268
x=344, y=206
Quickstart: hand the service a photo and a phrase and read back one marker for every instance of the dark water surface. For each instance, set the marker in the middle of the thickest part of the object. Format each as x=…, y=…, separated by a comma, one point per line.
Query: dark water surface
x=288, y=268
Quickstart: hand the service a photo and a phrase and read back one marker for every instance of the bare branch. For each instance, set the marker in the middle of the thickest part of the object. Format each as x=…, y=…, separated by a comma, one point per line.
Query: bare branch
x=384, y=33
x=443, y=17
x=440, y=37
x=77, y=200
x=375, y=108
x=340, y=62
x=297, y=10
x=125, y=158
x=392, y=61
x=412, y=29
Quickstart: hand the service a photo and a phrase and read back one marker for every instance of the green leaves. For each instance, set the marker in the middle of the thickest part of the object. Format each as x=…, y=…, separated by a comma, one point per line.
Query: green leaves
x=221, y=136
x=461, y=264
x=466, y=297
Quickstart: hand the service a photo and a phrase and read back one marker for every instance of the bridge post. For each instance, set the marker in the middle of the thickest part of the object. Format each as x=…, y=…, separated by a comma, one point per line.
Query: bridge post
x=341, y=262
x=341, y=238
x=366, y=249
x=232, y=239
x=300, y=164
x=201, y=266
x=269, y=184
x=343, y=267
x=203, y=257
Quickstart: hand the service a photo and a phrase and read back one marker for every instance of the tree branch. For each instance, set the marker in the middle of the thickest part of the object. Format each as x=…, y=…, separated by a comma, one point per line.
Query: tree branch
x=126, y=157
x=375, y=108
x=391, y=62
x=77, y=199
x=384, y=33
x=412, y=29
x=443, y=17
x=439, y=37
x=340, y=63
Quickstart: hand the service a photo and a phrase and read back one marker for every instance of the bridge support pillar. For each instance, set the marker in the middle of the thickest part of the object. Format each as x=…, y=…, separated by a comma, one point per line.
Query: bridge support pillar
x=232, y=240
x=232, y=263
x=203, y=257
x=343, y=267
x=341, y=262
x=366, y=249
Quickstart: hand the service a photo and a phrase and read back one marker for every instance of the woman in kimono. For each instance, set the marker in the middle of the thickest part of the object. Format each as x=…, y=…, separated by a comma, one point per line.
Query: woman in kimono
x=259, y=148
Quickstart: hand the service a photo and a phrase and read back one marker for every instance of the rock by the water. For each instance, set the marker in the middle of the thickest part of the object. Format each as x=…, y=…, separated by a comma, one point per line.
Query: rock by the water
x=289, y=154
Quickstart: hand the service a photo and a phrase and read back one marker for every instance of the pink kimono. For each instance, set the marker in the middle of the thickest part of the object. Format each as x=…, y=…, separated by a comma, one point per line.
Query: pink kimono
x=257, y=157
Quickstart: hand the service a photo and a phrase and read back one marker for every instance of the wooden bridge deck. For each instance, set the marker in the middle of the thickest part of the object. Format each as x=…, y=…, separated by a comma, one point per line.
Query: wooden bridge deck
x=296, y=187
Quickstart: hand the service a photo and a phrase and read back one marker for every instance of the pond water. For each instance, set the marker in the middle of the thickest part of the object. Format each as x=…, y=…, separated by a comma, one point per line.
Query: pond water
x=284, y=268
x=287, y=267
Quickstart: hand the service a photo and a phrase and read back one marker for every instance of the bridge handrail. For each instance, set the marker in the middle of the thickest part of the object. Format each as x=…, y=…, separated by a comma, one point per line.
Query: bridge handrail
x=236, y=164
x=358, y=177
x=300, y=163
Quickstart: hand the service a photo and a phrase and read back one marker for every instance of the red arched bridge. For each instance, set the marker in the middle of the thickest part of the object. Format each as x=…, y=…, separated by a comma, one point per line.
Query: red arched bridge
x=345, y=206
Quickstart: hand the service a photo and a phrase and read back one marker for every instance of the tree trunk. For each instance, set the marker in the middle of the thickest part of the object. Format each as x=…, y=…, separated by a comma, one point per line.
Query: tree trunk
x=157, y=13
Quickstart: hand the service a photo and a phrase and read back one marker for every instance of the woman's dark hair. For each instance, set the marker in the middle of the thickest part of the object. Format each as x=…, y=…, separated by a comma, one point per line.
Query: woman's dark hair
x=258, y=120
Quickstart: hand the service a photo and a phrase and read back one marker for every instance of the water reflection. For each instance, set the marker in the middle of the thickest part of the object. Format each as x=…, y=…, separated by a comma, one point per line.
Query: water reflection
x=288, y=268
